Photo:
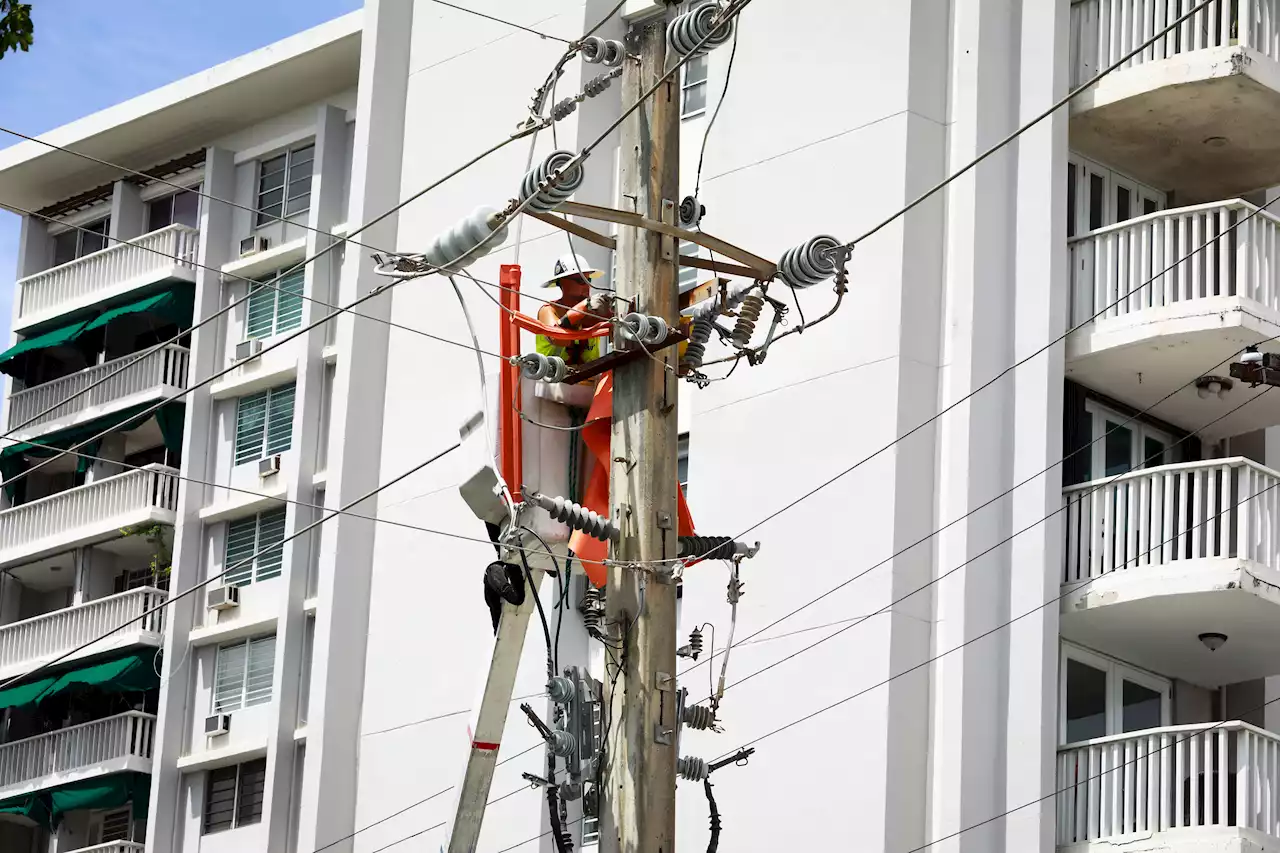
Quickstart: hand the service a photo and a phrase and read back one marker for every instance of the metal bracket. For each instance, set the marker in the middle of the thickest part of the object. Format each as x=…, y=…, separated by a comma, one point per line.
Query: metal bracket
x=664, y=520
x=667, y=242
x=663, y=681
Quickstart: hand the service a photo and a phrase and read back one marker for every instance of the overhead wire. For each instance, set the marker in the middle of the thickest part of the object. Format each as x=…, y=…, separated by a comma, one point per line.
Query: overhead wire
x=502, y=21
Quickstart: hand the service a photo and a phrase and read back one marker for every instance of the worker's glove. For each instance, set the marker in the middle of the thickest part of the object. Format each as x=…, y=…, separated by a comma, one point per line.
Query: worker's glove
x=599, y=303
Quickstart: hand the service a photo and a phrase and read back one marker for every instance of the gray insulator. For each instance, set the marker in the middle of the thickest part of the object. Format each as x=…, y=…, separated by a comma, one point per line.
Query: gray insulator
x=691, y=212
x=538, y=183
x=693, y=769
x=564, y=109
x=598, y=84
x=548, y=368
x=809, y=263
x=687, y=30
x=748, y=316
x=709, y=309
x=711, y=547
x=696, y=351
x=644, y=328
x=561, y=744
x=560, y=689
x=699, y=717
x=614, y=53
x=577, y=516
x=484, y=228
x=592, y=49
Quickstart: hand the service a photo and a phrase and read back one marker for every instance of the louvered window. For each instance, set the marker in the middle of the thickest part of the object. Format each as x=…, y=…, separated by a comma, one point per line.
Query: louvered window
x=243, y=675
x=255, y=549
x=284, y=184
x=275, y=306
x=264, y=424
x=233, y=796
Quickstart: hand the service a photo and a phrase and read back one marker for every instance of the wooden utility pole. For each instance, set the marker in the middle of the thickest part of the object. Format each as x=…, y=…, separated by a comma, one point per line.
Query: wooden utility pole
x=638, y=791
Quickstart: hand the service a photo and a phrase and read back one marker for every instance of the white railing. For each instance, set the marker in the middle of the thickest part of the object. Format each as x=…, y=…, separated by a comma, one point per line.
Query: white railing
x=32, y=406
x=1215, y=508
x=1161, y=259
x=1105, y=31
x=113, y=847
x=128, y=735
x=1159, y=779
x=151, y=253
x=150, y=487
x=63, y=630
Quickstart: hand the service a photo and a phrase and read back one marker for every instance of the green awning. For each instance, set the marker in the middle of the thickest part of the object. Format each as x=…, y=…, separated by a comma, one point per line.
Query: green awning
x=47, y=807
x=133, y=672
x=61, y=336
x=175, y=305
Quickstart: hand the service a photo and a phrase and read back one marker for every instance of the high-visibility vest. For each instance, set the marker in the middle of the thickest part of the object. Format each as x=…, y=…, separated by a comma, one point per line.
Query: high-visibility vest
x=573, y=352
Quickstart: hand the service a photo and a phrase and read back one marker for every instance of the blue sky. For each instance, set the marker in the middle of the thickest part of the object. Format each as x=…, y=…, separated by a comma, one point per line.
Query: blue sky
x=90, y=55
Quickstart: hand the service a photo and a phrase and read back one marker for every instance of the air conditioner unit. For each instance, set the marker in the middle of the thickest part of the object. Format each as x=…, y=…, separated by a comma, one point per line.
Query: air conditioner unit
x=223, y=597
x=252, y=245
x=248, y=349
x=217, y=724
x=268, y=466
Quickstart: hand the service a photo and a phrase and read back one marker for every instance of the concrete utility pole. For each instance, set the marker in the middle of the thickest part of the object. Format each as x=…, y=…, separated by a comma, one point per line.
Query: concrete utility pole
x=638, y=792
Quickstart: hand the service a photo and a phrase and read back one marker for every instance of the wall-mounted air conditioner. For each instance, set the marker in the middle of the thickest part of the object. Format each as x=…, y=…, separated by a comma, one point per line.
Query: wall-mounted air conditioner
x=217, y=724
x=269, y=465
x=223, y=597
x=252, y=245
x=248, y=349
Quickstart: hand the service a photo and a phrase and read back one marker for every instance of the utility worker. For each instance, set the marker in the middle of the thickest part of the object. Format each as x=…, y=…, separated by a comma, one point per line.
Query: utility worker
x=574, y=309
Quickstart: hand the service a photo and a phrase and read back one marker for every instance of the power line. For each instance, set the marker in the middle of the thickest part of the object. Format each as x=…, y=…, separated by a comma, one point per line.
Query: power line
x=502, y=21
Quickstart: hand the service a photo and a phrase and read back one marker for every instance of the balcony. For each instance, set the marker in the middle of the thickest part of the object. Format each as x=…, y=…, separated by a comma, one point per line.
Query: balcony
x=40, y=639
x=159, y=374
x=1195, y=314
x=1177, y=788
x=113, y=745
x=1157, y=557
x=87, y=514
x=166, y=255
x=113, y=847
x=1199, y=110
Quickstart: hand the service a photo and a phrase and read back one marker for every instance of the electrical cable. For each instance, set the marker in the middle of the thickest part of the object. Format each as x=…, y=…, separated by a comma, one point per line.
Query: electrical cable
x=714, y=843
x=247, y=561
x=1101, y=485
x=502, y=21
x=442, y=717
x=715, y=114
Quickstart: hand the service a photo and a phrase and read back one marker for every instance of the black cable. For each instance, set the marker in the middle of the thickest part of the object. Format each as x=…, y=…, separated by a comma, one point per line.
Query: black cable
x=714, y=844
x=553, y=809
x=554, y=651
x=542, y=614
x=697, y=184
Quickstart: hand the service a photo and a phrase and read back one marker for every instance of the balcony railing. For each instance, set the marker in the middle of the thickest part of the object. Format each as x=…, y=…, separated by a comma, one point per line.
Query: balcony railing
x=81, y=747
x=80, y=280
x=55, y=633
x=39, y=404
x=1157, y=516
x=1105, y=31
x=1140, y=264
x=98, y=504
x=1155, y=780
x=113, y=847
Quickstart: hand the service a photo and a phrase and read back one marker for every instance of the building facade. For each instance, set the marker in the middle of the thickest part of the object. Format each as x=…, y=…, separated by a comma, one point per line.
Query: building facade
x=1032, y=606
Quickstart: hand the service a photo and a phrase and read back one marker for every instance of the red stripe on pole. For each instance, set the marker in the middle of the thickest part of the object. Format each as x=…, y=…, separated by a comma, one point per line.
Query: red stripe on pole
x=479, y=744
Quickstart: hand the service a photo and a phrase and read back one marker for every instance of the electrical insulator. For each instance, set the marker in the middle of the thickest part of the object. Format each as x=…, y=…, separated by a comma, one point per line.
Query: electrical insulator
x=695, y=642
x=714, y=547
x=559, y=690
x=592, y=610
x=748, y=316
x=577, y=516
x=644, y=328
x=708, y=309
x=598, y=51
x=473, y=237
x=552, y=181
x=691, y=212
x=686, y=33
x=696, y=351
x=547, y=368
x=699, y=717
x=561, y=743
x=809, y=263
x=590, y=89
x=693, y=769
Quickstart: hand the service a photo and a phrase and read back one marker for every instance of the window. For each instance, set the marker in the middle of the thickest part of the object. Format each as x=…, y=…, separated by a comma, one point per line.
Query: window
x=682, y=462
x=255, y=548
x=114, y=825
x=1102, y=696
x=284, y=184
x=233, y=796
x=277, y=308
x=243, y=674
x=688, y=276
x=181, y=208
x=1098, y=197
x=78, y=242
x=1121, y=445
x=264, y=424
x=693, y=96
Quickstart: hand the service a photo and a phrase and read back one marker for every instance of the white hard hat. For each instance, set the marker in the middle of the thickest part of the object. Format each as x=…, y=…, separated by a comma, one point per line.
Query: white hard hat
x=571, y=264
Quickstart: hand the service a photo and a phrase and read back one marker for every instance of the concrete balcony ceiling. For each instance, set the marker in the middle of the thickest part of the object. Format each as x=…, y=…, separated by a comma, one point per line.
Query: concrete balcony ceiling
x=1155, y=558
x=1174, y=320
x=1198, y=111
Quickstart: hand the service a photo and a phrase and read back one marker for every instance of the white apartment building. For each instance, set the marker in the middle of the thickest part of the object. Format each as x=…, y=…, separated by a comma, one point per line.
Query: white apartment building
x=1046, y=655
